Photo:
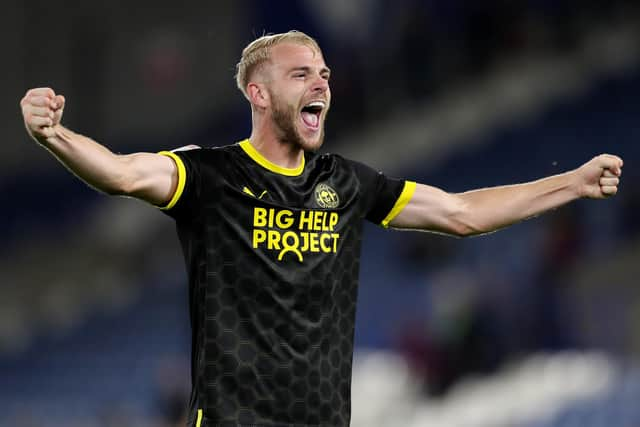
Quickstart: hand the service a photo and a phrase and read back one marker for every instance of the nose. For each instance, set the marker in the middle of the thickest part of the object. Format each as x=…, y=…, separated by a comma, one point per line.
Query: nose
x=320, y=85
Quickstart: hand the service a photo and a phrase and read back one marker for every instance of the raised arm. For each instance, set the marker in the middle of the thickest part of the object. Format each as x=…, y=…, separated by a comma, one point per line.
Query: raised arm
x=489, y=209
x=147, y=176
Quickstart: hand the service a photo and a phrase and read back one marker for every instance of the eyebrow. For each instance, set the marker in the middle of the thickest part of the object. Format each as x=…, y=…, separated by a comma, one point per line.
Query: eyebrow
x=306, y=69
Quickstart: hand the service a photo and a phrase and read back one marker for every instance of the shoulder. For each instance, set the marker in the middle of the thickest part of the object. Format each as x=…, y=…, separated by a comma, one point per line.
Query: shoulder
x=343, y=171
x=344, y=168
x=200, y=153
x=330, y=161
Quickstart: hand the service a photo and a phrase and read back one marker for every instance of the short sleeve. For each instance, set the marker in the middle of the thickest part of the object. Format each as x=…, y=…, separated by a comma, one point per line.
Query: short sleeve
x=185, y=198
x=383, y=197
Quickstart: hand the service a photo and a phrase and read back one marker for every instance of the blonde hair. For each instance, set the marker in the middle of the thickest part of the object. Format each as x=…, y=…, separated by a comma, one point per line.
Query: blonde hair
x=259, y=51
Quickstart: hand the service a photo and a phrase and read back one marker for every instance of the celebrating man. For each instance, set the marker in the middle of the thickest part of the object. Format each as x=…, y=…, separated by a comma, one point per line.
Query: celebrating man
x=271, y=234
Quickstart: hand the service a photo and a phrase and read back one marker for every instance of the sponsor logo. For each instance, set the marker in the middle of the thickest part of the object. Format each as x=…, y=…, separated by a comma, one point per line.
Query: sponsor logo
x=295, y=233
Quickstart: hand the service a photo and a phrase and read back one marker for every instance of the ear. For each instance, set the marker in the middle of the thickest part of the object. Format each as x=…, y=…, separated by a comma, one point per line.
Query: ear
x=258, y=94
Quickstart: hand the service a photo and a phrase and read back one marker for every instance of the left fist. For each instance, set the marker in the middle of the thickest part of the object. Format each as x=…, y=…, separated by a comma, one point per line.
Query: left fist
x=599, y=177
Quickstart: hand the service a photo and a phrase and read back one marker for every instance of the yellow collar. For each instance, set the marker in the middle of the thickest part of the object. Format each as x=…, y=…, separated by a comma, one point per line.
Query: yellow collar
x=265, y=163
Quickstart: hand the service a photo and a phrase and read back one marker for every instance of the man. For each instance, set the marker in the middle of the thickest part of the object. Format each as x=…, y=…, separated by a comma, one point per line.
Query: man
x=271, y=235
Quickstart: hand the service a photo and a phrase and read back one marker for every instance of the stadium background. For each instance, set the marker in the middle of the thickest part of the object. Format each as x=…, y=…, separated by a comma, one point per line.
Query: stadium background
x=537, y=325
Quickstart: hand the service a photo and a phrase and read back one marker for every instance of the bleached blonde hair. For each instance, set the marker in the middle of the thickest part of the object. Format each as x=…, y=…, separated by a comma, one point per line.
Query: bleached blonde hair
x=259, y=51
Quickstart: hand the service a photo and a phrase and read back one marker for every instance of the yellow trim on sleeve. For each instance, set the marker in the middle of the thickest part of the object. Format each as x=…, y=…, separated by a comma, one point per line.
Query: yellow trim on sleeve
x=182, y=179
x=265, y=163
x=199, y=420
x=405, y=196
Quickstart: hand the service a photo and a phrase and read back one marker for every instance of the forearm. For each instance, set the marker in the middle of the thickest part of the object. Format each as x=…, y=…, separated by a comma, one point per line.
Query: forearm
x=486, y=210
x=490, y=209
x=93, y=163
x=147, y=176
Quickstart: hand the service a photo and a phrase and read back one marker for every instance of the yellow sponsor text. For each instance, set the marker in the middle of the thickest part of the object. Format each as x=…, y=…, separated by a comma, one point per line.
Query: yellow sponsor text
x=296, y=233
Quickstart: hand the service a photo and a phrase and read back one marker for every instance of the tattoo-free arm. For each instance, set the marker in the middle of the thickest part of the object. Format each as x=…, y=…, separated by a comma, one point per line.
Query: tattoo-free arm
x=486, y=210
x=147, y=176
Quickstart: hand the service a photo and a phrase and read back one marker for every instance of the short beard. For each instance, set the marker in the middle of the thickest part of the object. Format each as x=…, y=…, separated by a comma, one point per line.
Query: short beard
x=284, y=117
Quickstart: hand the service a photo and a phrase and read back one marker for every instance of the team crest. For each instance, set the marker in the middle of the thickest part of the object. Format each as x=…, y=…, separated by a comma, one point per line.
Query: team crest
x=326, y=197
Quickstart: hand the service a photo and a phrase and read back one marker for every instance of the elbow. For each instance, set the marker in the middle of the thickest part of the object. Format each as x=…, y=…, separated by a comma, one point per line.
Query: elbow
x=470, y=228
x=124, y=186
x=465, y=230
x=115, y=189
x=120, y=182
x=463, y=223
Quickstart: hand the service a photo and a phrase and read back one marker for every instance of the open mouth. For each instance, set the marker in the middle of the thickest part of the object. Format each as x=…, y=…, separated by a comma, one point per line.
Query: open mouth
x=311, y=114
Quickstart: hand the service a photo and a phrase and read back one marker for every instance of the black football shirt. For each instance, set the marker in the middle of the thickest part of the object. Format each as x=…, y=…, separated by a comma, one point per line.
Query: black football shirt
x=273, y=259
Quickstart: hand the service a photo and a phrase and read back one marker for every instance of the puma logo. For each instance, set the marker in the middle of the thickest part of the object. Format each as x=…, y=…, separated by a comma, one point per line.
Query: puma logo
x=249, y=192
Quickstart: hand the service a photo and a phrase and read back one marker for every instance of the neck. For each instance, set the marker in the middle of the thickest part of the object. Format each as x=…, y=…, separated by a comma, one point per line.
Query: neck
x=282, y=153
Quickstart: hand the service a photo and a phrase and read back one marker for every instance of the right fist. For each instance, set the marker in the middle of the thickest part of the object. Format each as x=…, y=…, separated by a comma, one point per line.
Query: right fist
x=42, y=111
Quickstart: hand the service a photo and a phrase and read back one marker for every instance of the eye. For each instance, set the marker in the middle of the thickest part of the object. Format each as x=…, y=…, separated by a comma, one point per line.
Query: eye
x=299, y=75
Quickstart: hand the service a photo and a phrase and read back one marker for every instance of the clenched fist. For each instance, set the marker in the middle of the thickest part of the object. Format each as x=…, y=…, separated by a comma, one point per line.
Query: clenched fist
x=42, y=111
x=599, y=178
